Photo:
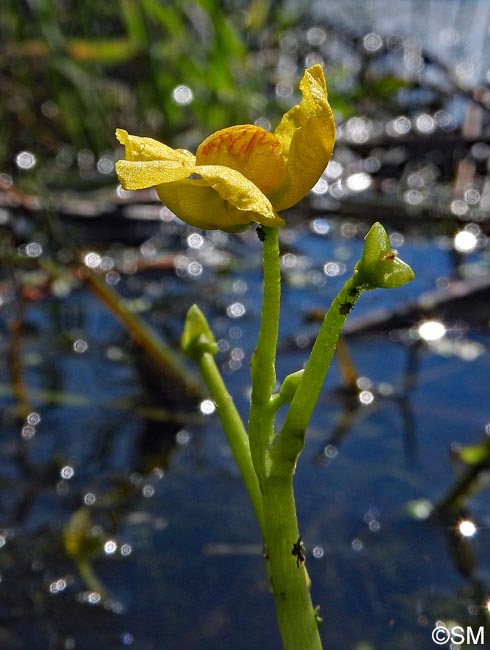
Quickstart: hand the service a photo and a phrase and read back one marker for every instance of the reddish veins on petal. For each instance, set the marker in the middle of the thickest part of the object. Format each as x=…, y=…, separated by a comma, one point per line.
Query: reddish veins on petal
x=249, y=149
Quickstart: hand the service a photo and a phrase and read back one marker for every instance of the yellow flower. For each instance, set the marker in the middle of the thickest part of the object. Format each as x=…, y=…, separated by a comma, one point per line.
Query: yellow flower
x=241, y=174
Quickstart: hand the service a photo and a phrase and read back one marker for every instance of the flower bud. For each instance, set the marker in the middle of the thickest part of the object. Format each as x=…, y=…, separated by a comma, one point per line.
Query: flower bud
x=380, y=267
x=197, y=337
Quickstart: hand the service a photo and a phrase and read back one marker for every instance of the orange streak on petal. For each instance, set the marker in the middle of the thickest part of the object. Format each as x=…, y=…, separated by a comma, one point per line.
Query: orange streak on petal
x=249, y=149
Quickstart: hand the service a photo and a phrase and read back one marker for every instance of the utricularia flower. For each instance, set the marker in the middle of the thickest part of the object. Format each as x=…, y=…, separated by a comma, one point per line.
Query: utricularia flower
x=241, y=174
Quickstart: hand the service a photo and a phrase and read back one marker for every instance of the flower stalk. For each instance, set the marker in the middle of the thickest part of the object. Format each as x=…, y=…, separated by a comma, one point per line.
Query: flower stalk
x=262, y=365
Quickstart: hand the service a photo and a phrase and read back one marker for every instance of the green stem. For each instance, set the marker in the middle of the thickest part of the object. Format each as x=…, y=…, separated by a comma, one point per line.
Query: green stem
x=290, y=582
x=261, y=418
x=234, y=429
x=288, y=444
x=289, y=579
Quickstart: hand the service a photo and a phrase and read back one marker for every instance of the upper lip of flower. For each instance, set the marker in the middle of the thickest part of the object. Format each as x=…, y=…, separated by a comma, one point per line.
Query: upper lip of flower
x=242, y=173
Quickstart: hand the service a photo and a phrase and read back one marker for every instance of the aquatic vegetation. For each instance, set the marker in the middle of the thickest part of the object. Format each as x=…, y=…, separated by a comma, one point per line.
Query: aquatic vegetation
x=240, y=175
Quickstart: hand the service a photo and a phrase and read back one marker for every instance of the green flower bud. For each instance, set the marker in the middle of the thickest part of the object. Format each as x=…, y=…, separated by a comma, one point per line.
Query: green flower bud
x=197, y=337
x=380, y=267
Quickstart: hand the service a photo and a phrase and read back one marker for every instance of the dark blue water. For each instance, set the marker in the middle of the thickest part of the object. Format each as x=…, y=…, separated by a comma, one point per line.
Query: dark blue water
x=171, y=535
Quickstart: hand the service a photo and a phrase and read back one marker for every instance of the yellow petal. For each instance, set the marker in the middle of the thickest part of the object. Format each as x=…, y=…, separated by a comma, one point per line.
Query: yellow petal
x=140, y=174
x=251, y=150
x=217, y=197
x=307, y=135
x=206, y=196
x=137, y=148
x=202, y=207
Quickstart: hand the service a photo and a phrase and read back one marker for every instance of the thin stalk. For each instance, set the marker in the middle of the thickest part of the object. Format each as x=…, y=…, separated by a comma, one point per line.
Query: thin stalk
x=261, y=418
x=234, y=429
x=288, y=444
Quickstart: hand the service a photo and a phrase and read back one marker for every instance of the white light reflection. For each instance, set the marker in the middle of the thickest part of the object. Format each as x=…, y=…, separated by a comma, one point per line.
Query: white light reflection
x=207, y=407
x=425, y=123
x=89, y=499
x=183, y=437
x=264, y=123
x=459, y=207
x=467, y=528
x=358, y=129
x=465, y=241
x=148, y=491
x=358, y=182
x=195, y=240
x=337, y=190
x=126, y=549
x=105, y=165
x=333, y=269
x=106, y=263
x=399, y=126
x=444, y=120
x=57, y=586
x=431, y=330
x=110, y=547
x=320, y=226
x=472, y=196
x=366, y=397
x=194, y=269
x=237, y=354
x=330, y=451
x=320, y=187
x=284, y=89
x=28, y=432
x=236, y=310
x=316, y=36
x=182, y=95
x=318, y=552
x=421, y=509
x=80, y=346
x=334, y=170
x=25, y=160
x=289, y=260
x=414, y=197
x=372, y=42
x=92, y=597
x=67, y=472
x=33, y=249
x=92, y=260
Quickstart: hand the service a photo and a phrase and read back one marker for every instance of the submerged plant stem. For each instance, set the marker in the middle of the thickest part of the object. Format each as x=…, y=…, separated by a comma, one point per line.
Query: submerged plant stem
x=157, y=350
